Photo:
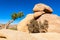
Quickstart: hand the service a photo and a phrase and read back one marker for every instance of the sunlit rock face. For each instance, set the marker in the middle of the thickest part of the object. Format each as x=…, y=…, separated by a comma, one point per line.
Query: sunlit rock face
x=39, y=9
x=38, y=14
x=53, y=22
x=22, y=26
x=41, y=15
x=42, y=7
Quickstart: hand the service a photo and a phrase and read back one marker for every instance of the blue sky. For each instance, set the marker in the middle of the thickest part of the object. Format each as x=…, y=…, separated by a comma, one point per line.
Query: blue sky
x=7, y=7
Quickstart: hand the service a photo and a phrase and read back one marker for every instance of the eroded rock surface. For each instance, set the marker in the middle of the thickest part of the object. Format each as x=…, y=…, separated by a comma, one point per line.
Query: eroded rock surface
x=42, y=7
x=53, y=22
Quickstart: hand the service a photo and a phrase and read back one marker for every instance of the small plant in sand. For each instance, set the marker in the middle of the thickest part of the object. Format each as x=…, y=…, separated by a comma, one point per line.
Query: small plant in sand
x=14, y=28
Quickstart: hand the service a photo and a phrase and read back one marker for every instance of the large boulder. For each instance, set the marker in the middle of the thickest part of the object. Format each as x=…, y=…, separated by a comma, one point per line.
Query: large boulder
x=53, y=22
x=37, y=14
x=22, y=26
x=42, y=7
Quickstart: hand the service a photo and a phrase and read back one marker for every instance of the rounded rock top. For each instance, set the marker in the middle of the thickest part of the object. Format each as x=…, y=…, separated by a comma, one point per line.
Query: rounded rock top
x=42, y=7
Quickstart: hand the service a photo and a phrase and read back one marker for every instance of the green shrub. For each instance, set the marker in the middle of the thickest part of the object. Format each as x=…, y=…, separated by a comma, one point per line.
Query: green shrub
x=37, y=27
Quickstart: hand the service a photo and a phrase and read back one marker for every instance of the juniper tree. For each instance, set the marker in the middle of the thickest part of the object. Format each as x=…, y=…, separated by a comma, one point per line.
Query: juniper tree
x=14, y=16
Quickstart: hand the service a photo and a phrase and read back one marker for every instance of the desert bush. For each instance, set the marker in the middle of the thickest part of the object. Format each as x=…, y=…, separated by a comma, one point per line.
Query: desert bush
x=43, y=26
x=37, y=27
x=33, y=27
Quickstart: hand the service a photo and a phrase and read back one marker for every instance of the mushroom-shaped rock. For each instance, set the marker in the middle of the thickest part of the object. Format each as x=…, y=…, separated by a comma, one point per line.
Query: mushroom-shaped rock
x=53, y=22
x=42, y=7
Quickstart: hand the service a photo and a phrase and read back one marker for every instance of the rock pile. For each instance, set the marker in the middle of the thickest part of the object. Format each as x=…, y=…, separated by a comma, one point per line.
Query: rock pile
x=42, y=12
x=53, y=20
x=39, y=11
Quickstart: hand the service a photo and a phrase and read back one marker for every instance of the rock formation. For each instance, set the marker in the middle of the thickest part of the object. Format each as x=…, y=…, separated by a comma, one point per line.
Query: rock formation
x=39, y=10
x=22, y=26
x=42, y=7
x=43, y=14
x=53, y=22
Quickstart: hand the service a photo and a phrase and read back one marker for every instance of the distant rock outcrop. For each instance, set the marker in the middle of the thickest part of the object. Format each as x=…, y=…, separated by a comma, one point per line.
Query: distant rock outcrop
x=2, y=26
x=10, y=26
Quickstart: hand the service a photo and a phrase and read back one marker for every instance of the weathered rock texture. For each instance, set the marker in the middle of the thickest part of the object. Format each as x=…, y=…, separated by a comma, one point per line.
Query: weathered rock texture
x=38, y=14
x=22, y=26
x=53, y=22
x=39, y=10
x=42, y=7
